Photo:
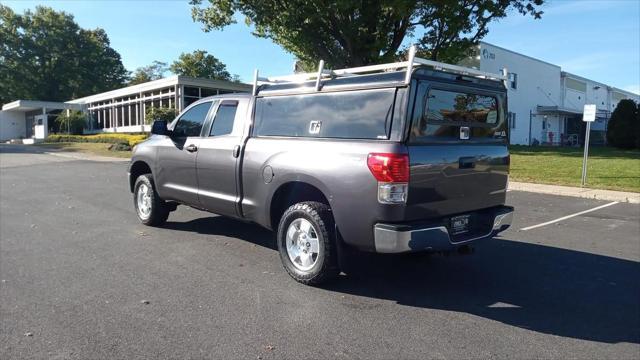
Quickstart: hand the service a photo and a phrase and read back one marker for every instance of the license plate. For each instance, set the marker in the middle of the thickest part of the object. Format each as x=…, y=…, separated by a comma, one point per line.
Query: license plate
x=460, y=224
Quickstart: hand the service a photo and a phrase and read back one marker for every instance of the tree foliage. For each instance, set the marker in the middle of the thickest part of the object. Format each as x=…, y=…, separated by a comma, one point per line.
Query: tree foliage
x=155, y=71
x=159, y=113
x=200, y=64
x=73, y=123
x=45, y=54
x=354, y=33
x=623, y=130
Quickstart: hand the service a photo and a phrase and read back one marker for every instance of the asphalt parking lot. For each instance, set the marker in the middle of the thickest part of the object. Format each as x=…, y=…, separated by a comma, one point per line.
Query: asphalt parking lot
x=81, y=278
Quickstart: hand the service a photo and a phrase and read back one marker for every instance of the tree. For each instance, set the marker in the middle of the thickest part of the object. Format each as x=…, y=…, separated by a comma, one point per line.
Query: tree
x=200, y=64
x=159, y=113
x=155, y=71
x=354, y=33
x=73, y=123
x=46, y=55
x=623, y=130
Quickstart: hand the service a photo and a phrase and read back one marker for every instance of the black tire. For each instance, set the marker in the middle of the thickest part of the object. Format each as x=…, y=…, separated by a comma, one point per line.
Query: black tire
x=159, y=211
x=326, y=262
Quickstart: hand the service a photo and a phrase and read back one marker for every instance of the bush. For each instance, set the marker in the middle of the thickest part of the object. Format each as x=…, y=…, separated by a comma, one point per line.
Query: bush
x=623, y=130
x=160, y=113
x=73, y=123
x=130, y=139
x=120, y=147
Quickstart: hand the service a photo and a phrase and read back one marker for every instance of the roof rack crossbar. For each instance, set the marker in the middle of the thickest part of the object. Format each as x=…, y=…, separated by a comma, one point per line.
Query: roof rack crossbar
x=412, y=62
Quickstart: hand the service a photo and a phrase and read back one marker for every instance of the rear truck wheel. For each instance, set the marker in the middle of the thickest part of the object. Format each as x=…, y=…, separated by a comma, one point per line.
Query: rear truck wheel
x=306, y=242
x=150, y=208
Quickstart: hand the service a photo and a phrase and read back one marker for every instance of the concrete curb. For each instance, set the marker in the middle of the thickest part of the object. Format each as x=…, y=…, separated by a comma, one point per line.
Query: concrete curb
x=81, y=156
x=607, y=195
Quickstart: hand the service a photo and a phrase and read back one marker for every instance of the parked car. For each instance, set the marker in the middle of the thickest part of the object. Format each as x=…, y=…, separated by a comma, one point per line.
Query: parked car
x=401, y=160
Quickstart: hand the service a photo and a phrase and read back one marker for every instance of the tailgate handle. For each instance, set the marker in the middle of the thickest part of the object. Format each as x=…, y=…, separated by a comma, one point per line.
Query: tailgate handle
x=467, y=162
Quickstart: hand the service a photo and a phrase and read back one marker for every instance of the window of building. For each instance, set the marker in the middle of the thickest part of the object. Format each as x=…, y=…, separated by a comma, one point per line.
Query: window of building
x=191, y=91
x=204, y=92
x=223, y=122
x=512, y=120
x=355, y=114
x=190, y=123
x=513, y=80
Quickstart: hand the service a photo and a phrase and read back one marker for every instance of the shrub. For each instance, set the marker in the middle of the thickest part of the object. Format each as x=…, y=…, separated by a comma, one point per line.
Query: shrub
x=159, y=113
x=120, y=147
x=73, y=123
x=623, y=130
x=109, y=138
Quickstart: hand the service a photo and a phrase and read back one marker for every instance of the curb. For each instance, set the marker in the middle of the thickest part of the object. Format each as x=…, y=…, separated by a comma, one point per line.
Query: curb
x=586, y=193
x=87, y=157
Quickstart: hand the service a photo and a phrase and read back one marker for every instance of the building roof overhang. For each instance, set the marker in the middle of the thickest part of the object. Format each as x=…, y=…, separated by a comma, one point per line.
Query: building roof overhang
x=559, y=110
x=31, y=105
x=162, y=83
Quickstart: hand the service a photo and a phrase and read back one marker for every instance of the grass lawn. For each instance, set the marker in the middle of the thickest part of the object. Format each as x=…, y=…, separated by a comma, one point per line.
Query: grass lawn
x=100, y=149
x=608, y=168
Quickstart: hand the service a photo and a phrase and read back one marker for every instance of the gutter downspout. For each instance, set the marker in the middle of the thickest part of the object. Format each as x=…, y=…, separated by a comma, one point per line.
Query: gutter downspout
x=530, y=121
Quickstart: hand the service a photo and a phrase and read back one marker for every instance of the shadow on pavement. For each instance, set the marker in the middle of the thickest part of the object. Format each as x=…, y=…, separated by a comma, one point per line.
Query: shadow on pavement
x=22, y=149
x=540, y=288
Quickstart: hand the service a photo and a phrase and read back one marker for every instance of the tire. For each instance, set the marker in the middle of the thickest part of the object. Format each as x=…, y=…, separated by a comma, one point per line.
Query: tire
x=152, y=211
x=306, y=243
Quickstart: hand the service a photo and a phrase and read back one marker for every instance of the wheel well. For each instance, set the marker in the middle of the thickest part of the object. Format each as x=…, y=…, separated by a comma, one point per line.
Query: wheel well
x=292, y=193
x=138, y=168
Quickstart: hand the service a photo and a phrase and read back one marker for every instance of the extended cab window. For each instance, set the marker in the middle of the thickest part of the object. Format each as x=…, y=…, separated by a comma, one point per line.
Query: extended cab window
x=441, y=113
x=190, y=123
x=354, y=114
x=223, y=122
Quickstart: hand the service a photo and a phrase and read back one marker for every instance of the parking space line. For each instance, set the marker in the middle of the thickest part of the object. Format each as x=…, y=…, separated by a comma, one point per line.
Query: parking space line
x=569, y=216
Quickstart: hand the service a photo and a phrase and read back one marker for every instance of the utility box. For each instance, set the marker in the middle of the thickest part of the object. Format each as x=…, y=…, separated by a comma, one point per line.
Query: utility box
x=41, y=127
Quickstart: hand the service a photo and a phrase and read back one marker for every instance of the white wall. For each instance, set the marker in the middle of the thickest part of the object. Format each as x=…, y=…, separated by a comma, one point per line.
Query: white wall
x=12, y=125
x=538, y=84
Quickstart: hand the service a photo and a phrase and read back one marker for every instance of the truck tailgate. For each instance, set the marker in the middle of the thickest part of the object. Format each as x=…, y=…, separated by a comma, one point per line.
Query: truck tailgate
x=448, y=179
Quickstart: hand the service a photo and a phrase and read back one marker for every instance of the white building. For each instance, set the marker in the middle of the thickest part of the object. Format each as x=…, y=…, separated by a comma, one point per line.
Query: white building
x=546, y=103
x=121, y=110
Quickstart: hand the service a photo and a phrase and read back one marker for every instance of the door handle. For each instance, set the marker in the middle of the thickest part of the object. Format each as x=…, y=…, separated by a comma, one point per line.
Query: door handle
x=191, y=148
x=236, y=151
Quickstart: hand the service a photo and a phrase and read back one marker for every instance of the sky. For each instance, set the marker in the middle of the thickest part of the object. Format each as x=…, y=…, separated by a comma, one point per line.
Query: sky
x=599, y=40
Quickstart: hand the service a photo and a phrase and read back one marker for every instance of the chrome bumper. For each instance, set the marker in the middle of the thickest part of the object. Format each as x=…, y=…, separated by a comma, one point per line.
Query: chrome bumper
x=393, y=239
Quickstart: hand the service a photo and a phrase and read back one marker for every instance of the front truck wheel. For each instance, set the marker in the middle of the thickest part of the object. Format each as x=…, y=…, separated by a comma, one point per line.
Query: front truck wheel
x=150, y=208
x=306, y=242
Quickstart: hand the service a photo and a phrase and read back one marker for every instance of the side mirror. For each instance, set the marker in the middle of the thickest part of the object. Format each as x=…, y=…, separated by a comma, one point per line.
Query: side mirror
x=159, y=127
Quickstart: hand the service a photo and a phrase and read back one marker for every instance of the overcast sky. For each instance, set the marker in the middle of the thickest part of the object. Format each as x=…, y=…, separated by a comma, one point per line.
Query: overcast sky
x=596, y=39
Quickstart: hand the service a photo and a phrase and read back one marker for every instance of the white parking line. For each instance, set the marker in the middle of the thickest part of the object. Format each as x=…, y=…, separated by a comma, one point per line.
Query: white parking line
x=569, y=216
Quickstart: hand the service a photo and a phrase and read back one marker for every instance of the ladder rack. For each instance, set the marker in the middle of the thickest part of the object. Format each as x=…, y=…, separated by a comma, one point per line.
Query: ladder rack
x=408, y=65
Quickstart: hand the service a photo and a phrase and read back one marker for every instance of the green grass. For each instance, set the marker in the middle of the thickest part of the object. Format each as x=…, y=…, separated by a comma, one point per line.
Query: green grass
x=100, y=149
x=608, y=168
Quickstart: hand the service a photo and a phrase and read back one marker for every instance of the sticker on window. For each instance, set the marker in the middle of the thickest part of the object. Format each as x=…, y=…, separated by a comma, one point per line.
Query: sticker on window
x=314, y=127
x=492, y=117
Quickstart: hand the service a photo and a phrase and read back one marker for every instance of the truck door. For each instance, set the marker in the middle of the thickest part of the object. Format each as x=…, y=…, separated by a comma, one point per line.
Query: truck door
x=217, y=159
x=176, y=176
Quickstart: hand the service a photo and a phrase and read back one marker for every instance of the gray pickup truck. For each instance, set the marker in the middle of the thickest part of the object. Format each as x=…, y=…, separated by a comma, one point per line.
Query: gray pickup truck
x=384, y=159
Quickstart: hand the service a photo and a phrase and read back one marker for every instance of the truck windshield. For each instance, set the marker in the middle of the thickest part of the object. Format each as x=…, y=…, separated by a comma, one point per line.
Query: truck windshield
x=441, y=113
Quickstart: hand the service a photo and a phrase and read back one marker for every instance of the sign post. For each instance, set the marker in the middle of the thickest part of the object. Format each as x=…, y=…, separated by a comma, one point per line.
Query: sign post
x=588, y=116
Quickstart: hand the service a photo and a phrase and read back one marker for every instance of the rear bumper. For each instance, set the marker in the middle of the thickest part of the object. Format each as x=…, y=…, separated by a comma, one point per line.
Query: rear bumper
x=400, y=238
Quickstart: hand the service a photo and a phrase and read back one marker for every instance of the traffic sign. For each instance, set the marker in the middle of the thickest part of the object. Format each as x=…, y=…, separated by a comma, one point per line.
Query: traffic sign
x=589, y=113
x=588, y=116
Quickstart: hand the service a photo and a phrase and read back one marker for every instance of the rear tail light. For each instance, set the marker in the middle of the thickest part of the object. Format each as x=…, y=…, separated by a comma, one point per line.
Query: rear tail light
x=392, y=172
x=389, y=167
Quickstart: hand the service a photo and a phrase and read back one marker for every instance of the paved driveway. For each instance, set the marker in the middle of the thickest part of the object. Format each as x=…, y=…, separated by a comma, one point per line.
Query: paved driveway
x=76, y=265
